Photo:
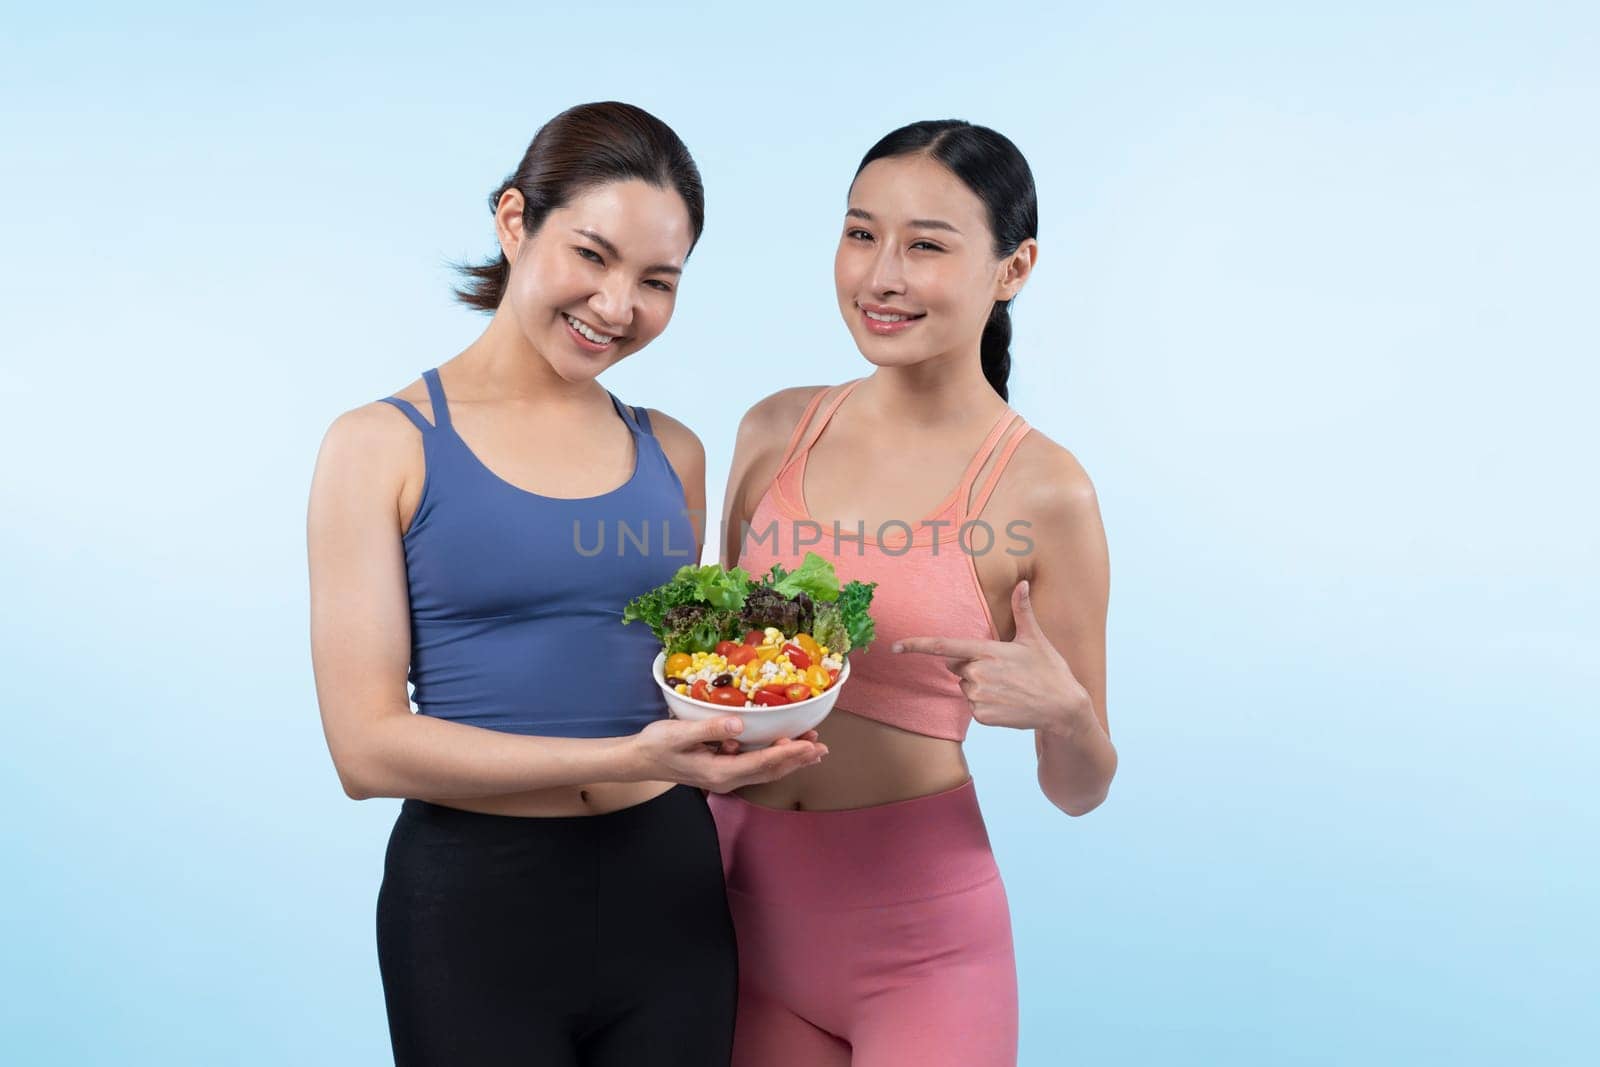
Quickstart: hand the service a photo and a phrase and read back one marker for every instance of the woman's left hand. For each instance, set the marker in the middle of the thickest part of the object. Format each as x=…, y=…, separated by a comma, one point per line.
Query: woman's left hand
x=1023, y=683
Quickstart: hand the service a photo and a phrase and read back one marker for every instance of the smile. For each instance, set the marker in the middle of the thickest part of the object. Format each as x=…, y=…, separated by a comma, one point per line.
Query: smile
x=884, y=321
x=583, y=330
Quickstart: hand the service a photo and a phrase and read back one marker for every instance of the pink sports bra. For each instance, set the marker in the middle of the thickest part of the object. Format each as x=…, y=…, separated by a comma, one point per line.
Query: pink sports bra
x=927, y=576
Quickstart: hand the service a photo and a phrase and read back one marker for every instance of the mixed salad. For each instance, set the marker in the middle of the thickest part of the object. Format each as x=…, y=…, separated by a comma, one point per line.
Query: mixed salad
x=738, y=642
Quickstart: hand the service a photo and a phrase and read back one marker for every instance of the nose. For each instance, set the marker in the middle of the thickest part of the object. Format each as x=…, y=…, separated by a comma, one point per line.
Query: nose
x=613, y=303
x=888, y=271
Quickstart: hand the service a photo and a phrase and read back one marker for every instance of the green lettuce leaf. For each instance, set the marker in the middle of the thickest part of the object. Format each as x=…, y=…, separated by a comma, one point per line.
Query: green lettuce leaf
x=698, y=628
x=815, y=578
x=854, y=601
x=845, y=624
x=724, y=590
x=652, y=608
x=709, y=586
x=829, y=629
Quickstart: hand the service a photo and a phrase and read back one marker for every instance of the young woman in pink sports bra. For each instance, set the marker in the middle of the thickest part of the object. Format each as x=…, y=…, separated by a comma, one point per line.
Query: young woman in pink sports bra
x=872, y=924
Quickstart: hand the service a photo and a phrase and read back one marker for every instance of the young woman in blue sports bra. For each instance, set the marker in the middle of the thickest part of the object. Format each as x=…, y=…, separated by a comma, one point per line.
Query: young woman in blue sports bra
x=552, y=891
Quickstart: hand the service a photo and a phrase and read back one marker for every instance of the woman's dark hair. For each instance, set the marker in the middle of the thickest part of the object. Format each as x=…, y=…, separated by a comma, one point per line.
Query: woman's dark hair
x=583, y=147
x=992, y=167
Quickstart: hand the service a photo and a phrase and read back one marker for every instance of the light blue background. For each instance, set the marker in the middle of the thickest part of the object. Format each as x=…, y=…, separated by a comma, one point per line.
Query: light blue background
x=1308, y=310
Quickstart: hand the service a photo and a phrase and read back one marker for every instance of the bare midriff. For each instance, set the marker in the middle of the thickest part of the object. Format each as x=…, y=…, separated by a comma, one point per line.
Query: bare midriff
x=868, y=763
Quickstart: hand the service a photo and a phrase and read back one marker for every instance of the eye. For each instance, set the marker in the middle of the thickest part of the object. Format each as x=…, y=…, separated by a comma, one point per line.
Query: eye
x=929, y=245
x=655, y=283
x=588, y=253
x=858, y=235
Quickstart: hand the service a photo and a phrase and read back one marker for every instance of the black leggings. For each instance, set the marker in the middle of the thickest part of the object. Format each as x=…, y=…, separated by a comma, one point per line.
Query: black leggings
x=588, y=941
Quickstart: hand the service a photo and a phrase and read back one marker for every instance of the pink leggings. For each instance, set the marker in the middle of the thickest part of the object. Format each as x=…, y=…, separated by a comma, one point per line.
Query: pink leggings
x=871, y=937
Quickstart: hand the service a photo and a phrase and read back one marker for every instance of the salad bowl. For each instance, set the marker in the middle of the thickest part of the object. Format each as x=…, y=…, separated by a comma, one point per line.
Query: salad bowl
x=762, y=725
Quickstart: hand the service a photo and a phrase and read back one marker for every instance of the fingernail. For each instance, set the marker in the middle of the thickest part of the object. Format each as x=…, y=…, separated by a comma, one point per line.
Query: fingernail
x=735, y=725
x=896, y=647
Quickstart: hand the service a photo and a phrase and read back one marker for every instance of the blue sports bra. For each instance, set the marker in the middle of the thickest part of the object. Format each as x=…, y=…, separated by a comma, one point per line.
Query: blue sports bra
x=517, y=598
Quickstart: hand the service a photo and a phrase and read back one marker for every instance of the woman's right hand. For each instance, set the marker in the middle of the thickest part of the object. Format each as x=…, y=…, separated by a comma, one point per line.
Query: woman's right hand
x=705, y=754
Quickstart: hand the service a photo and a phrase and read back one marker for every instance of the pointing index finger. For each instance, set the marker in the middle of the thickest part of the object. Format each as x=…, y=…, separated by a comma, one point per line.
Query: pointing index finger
x=949, y=647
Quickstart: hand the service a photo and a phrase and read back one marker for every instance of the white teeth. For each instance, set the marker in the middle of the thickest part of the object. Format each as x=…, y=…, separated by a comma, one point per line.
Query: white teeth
x=875, y=317
x=597, y=338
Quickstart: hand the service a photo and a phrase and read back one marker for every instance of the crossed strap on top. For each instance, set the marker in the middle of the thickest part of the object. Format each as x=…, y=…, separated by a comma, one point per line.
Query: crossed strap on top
x=636, y=419
x=441, y=410
x=802, y=440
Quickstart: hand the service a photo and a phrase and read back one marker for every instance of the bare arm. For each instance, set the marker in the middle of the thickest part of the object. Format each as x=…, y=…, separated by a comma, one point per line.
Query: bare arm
x=688, y=458
x=1050, y=677
x=1069, y=589
x=757, y=451
x=361, y=638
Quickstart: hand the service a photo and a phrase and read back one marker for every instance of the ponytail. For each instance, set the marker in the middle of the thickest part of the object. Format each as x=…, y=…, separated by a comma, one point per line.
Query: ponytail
x=486, y=283
x=995, y=348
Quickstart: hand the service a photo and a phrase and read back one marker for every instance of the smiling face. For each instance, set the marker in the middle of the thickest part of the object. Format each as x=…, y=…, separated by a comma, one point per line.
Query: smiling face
x=916, y=273
x=598, y=280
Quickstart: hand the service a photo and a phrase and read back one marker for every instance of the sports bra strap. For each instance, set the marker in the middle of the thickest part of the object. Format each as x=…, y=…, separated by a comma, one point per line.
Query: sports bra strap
x=827, y=415
x=626, y=413
x=800, y=427
x=441, y=410
x=993, y=478
x=981, y=455
x=410, y=412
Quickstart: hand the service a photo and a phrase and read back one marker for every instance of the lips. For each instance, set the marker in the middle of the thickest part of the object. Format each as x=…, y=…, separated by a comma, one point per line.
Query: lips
x=587, y=336
x=887, y=321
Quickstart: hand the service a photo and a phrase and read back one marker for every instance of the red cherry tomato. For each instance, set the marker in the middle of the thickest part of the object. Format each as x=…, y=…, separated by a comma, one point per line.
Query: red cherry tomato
x=755, y=637
x=768, y=699
x=728, y=696
x=798, y=692
x=741, y=655
x=833, y=675
x=725, y=648
x=700, y=690
x=797, y=655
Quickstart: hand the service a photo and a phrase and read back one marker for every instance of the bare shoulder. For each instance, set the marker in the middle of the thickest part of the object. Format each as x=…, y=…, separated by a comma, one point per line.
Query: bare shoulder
x=757, y=452
x=379, y=424
x=683, y=448
x=367, y=433
x=675, y=436
x=774, y=416
x=370, y=452
x=1045, y=482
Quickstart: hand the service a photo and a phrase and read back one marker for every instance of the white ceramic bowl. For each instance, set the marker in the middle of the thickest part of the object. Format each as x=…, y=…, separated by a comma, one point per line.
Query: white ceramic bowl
x=762, y=725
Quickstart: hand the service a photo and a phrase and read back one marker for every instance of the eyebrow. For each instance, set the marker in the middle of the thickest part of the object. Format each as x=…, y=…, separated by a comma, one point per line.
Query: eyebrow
x=921, y=224
x=611, y=249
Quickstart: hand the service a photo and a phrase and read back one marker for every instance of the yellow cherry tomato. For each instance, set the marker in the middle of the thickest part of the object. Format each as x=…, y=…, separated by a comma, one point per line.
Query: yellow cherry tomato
x=809, y=643
x=678, y=664
x=817, y=678
x=767, y=653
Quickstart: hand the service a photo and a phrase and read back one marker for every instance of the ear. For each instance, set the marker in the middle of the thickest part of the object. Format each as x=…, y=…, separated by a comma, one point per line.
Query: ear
x=508, y=223
x=1015, y=268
